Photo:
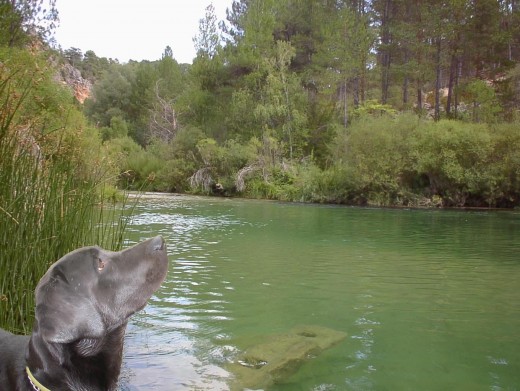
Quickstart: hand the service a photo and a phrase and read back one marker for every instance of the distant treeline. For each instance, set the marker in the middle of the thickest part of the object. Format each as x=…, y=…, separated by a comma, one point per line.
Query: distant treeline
x=383, y=102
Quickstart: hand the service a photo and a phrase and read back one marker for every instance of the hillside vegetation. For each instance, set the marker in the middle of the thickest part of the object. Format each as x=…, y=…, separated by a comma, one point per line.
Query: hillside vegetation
x=382, y=103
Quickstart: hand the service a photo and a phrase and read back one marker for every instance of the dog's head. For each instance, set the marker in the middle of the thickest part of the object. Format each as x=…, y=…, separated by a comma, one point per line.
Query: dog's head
x=90, y=291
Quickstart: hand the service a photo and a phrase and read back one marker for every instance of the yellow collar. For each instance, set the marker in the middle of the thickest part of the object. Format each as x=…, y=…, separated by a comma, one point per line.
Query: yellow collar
x=35, y=383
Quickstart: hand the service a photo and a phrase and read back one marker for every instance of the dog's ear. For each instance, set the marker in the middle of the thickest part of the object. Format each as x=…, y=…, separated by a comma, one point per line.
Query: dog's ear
x=64, y=315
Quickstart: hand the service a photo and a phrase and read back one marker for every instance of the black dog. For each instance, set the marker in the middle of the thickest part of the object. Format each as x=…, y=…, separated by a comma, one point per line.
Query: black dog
x=83, y=304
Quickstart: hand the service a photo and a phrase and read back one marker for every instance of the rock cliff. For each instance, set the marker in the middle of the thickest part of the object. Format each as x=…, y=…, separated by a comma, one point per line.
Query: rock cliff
x=71, y=77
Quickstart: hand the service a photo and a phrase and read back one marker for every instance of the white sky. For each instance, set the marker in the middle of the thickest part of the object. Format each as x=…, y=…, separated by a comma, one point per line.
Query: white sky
x=134, y=29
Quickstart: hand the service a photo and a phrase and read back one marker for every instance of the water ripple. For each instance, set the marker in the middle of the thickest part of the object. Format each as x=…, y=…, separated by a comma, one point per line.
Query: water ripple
x=429, y=299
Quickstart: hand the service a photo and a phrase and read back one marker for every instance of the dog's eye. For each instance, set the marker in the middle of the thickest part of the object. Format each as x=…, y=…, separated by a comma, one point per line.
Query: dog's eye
x=101, y=264
x=88, y=346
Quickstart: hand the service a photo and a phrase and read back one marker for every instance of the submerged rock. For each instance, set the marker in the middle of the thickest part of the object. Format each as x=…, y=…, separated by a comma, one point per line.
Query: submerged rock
x=280, y=356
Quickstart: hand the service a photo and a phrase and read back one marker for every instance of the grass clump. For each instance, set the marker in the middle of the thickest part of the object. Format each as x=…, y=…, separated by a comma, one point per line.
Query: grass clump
x=52, y=184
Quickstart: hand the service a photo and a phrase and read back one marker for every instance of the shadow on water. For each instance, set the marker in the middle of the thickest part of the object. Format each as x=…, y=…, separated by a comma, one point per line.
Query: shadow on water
x=429, y=299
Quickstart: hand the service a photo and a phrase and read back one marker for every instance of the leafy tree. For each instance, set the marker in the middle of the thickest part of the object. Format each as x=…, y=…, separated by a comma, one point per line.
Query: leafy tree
x=111, y=96
x=92, y=66
x=280, y=109
x=344, y=38
x=118, y=129
x=297, y=77
x=255, y=41
x=233, y=30
x=74, y=56
x=204, y=104
x=484, y=104
x=484, y=36
x=21, y=18
x=207, y=42
x=386, y=13
x=170, y=77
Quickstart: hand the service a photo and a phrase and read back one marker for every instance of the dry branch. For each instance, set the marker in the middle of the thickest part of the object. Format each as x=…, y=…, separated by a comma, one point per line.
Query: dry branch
x=242, y=174
x=202, y=179
x=163, y=118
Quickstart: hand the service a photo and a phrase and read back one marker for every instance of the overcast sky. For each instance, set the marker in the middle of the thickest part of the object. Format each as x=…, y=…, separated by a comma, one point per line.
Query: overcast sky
x=133, y=29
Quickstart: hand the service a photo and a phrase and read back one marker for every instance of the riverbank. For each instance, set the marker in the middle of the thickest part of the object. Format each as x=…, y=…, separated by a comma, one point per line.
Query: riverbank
x=147, y=195
x=401, y=161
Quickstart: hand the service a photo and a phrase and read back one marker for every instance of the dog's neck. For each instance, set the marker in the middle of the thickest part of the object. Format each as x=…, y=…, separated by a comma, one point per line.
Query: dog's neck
x=34, y=382
x=61, y=367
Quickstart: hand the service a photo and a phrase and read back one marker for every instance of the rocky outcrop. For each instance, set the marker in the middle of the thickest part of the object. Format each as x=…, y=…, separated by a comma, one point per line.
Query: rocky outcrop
x=280, y=356
x=71, y=77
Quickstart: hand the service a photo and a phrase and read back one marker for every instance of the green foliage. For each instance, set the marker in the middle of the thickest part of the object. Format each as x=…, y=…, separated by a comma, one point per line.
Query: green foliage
x=52, y=183
x=21, y=18
x=118, y=129
x=258, y=188
x=207, y=42
x=111, y=96
x=170, y=79
x=281, y=106
x=306, y=100
x=92, y=66
x=209, y=151
x=236, y=155
x=373, y=107
x=407, y=161
x=337, y=184
x=454, y=157
x=376, y=152
x=484, y=103
x=503, y=170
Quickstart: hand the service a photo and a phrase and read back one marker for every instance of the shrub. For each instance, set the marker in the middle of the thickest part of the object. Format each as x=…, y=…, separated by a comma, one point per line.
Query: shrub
x=378, y=154
x=453, y=156
x=504, y=166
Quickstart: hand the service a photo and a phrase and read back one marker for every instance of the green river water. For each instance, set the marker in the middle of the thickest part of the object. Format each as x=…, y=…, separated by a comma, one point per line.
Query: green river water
x=430, y=299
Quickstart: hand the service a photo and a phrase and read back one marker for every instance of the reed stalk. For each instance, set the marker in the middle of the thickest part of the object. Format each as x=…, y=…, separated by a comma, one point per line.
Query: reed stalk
x=46, y=210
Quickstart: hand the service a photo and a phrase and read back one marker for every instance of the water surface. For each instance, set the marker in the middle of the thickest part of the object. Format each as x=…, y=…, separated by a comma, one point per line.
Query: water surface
x=430, y=299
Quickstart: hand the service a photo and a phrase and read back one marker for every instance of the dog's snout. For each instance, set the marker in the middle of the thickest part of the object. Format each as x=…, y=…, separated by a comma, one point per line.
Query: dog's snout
x=157, y=244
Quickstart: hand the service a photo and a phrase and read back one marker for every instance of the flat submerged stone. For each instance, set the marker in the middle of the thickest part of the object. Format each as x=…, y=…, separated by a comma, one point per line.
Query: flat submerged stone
x=280, y=356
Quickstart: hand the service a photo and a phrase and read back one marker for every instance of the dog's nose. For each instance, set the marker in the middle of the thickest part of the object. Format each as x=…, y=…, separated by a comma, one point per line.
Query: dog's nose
x=156, y=244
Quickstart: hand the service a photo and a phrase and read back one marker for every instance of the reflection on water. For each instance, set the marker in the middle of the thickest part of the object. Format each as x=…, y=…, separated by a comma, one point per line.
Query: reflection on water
x=430, y=299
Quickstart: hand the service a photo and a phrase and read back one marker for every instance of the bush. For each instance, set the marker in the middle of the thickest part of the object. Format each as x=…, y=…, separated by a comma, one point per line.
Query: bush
x=404, y=160
x=504, y=166
x=259, y=188
x=335, y=184
x=454, y=157
x=173, y=175
x=378, y=155
x=483, y=100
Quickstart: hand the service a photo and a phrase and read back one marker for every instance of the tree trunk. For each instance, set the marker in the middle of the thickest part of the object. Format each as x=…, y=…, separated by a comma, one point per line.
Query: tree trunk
x=406, y=80
x=453, y=71
x=356, y=91
x=457, y=74
x=385, y=52
x=362, y=84
x=344, y=102
x=437, y=112
x=405, y=90
x=419, y=99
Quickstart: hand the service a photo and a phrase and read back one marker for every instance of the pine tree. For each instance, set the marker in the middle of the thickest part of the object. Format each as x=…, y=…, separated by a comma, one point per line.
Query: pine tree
x=21, y=18
x=207, y=41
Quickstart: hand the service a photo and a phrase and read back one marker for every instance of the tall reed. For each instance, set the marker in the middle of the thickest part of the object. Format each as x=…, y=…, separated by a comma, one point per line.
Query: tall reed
x=46, y=210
